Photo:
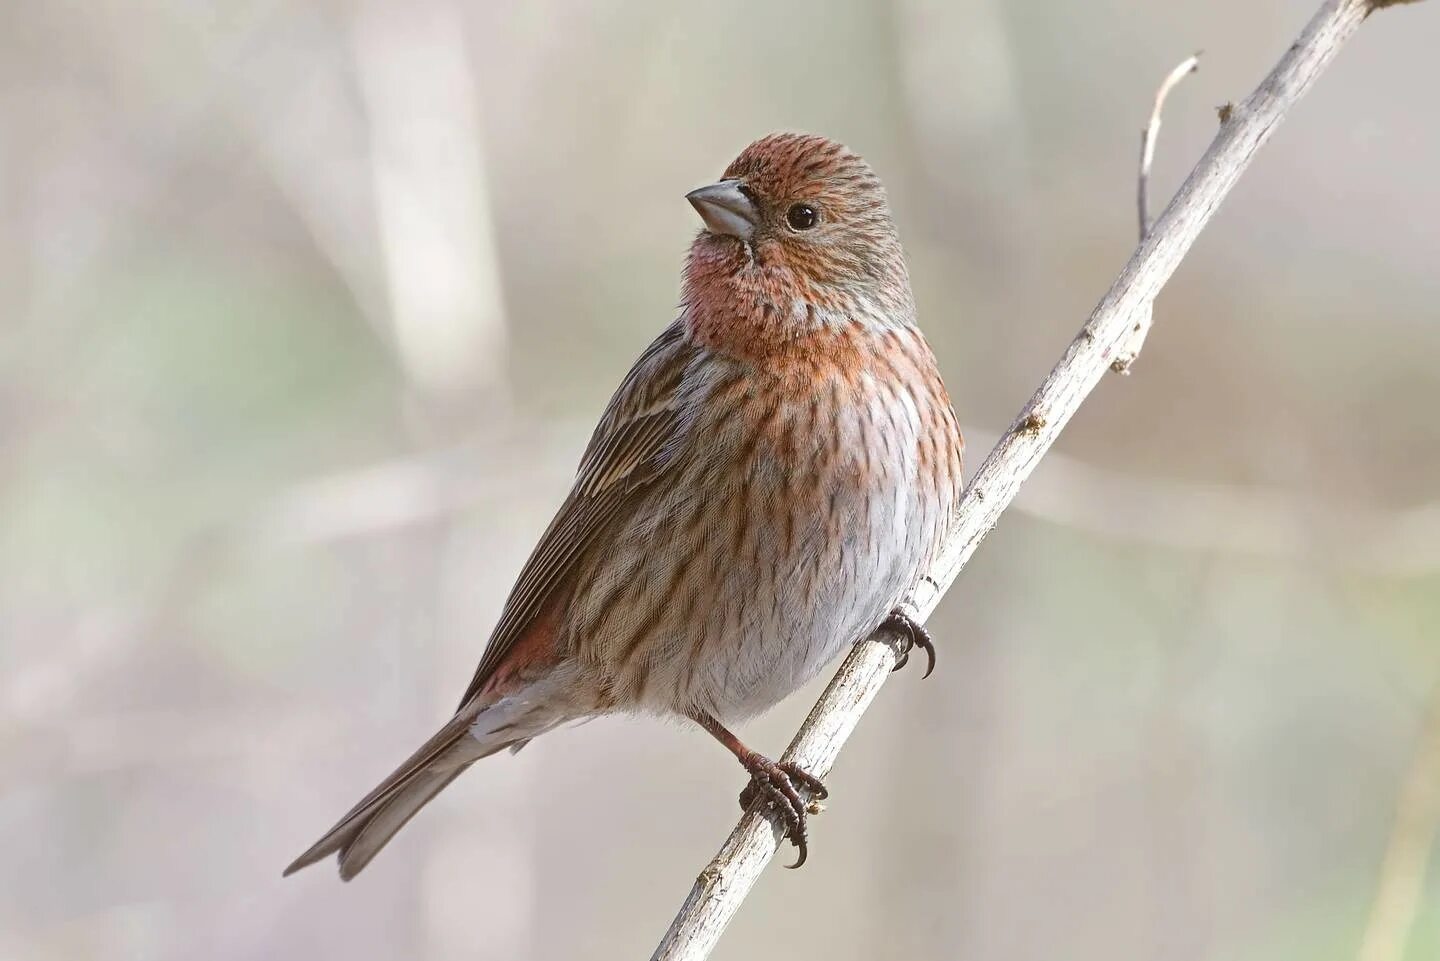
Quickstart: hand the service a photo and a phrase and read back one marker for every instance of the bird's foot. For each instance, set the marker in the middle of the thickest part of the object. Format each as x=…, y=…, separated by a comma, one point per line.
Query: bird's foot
x=904, y=621
x=780, y=785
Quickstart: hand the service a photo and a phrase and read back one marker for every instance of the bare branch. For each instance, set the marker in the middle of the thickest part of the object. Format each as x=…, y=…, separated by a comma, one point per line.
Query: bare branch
x=722, y=887
x=1151, y=134
x=1148, y=137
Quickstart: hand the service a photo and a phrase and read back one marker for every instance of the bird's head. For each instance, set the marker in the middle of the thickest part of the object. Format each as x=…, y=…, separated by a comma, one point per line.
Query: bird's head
x=799, y=227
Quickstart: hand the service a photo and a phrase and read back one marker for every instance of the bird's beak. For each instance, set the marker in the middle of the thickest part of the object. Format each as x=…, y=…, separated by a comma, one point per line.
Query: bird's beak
x=725, y=209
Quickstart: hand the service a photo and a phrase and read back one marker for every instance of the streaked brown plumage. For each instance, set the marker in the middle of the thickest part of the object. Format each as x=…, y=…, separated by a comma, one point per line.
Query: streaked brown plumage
x=764, y=488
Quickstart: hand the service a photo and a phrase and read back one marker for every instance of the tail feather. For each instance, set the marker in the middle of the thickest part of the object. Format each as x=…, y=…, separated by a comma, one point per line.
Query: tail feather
x=369, y=825
x=390, y=817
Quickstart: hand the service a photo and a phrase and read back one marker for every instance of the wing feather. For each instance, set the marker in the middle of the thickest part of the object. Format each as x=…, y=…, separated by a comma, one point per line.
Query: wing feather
x=625, y=455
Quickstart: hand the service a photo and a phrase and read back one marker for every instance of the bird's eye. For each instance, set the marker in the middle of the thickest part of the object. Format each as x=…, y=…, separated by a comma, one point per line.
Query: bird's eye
x=801, y=217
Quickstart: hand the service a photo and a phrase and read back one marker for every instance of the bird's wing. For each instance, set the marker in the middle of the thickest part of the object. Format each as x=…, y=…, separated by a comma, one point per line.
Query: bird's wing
x=626, y=453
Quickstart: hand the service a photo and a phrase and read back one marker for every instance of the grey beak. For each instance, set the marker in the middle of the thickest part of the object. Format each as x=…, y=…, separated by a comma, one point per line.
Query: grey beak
x=725, y=209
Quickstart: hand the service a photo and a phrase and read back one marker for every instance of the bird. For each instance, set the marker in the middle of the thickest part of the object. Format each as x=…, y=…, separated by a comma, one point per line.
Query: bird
x=764, y=490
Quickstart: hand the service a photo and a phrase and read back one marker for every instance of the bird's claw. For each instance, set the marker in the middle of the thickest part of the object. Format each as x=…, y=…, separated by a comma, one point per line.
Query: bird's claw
x=904, y=623
x=779, y=785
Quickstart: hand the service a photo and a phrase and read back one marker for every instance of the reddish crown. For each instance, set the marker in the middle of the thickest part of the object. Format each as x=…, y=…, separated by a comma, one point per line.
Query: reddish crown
x=822, y=254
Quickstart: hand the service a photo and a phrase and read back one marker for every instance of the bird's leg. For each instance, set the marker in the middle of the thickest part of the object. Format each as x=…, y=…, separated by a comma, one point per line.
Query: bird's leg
x=905, y=620
x=779, y=784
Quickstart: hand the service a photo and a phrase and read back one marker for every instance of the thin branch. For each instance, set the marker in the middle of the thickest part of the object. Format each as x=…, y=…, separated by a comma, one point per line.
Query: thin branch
x=1148, y=138
x=1151, y=134
x=723, y=885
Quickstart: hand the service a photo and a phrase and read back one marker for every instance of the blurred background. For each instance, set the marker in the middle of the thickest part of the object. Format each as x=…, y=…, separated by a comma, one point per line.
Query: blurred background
x=308, y=306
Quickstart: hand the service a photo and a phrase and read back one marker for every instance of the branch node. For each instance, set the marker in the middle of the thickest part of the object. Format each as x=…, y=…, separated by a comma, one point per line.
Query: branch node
x=1130, y=349
x=1152, y=130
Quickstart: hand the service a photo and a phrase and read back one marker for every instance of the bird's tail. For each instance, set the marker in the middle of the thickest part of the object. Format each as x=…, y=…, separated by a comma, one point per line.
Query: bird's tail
x=369, y=825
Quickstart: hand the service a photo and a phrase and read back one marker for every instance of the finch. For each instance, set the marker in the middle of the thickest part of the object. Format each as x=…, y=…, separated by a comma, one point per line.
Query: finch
x=763, y=491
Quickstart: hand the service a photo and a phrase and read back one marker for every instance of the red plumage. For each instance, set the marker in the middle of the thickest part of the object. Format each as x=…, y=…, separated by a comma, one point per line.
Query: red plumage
x=763, y=490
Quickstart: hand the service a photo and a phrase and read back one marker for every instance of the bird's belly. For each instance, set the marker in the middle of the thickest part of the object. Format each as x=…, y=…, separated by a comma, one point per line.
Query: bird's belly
x=758, y=566
x=829, y=591
x=818, y=570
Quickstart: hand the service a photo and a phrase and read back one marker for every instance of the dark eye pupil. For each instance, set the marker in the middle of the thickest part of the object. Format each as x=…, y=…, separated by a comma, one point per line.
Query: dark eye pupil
x=802, y=216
